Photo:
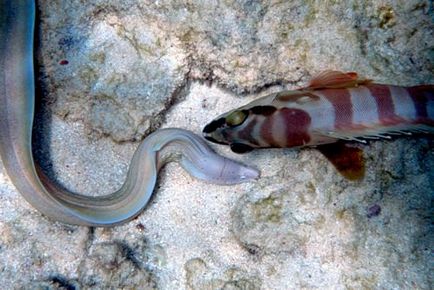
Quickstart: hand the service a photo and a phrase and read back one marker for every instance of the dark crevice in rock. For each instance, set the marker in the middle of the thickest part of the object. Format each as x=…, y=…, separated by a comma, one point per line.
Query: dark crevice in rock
x=129, y=253
x=63, y=283
x=179, y=94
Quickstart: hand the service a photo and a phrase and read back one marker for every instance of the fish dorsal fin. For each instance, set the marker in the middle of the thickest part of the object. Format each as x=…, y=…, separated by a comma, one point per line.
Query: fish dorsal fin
x=331, y=79
x=300, y=97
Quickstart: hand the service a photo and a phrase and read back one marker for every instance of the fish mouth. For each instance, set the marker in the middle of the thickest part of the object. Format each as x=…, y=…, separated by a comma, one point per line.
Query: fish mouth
x=211, y=132
x=214, y=125
x=210, y=138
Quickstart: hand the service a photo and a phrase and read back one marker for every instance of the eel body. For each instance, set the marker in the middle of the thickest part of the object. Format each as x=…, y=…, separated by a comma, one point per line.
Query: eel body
x=17, y=89
x=335, y=106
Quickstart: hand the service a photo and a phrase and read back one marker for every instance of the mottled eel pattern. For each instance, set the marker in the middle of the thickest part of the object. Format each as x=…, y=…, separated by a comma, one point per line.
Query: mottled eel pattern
x=17, y=91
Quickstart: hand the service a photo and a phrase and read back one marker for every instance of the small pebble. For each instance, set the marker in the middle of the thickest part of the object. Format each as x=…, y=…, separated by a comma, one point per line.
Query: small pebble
x=140, y=227
x=373, y=210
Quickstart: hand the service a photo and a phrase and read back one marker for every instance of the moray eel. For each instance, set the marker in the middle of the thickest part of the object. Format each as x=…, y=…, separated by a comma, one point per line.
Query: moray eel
x=17, y=91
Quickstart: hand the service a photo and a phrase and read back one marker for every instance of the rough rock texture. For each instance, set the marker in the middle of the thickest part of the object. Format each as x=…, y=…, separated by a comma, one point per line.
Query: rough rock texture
x=379, y=228
x=128, y=61
x=200, y=276
x=116, y=264
x=118, y=69
x=123, y=68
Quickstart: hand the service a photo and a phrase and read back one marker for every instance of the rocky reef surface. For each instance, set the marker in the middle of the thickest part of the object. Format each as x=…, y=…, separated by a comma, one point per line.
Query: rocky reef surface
x=110, y=72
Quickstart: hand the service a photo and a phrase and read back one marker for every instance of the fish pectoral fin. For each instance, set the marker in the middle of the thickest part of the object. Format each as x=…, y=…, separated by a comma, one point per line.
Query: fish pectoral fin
x=347, y=160
x=331, y=79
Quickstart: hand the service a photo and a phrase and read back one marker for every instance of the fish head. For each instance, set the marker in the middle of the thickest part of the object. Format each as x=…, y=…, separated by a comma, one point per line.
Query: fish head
x=254, y=125
x=235, y=127
x=225, y=128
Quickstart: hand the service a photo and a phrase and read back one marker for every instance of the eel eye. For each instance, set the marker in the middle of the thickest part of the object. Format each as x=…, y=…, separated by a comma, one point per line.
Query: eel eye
x=236, y=118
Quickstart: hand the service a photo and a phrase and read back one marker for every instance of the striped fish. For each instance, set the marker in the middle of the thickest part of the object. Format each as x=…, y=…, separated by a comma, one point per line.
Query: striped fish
x=334, y=106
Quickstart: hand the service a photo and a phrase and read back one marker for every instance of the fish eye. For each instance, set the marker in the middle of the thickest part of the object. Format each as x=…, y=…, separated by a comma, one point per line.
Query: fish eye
x=236, y=118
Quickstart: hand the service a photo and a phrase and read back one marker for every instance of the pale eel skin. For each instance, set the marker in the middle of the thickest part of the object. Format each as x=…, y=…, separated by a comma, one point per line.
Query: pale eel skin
x=16, y=118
